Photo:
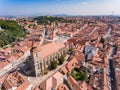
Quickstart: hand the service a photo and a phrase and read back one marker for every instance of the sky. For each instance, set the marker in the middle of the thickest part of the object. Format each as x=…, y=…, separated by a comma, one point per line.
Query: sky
x=55, y=7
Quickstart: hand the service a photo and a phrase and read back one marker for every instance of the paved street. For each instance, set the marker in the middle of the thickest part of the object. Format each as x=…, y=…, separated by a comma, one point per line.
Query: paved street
x=112, y=71
x=112, y=75
x=11, y=68
x=111, y=68
x=108, y=34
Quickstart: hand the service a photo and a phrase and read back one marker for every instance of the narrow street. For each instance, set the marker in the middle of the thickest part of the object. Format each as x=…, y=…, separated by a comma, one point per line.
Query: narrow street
x=111, y=67
x=111, y=71
x=112, y=75
x=12, y=68
x=108, y=34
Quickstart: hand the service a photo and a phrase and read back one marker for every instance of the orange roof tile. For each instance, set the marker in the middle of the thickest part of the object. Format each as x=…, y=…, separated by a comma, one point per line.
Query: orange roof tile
x=47, y=84
x=3, y=63
x=11, y=58
x=62, y=87
x=16, y=80
x=72, y=64
x=49, y=48
x=64, y=70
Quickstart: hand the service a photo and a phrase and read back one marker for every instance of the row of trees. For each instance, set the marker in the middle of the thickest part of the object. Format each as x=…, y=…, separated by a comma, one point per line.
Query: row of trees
x=54, y=63
x=11, y=31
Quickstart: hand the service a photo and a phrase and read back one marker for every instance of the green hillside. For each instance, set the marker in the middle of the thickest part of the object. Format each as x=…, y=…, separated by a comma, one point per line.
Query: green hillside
x=50, y=19
x=10, y=32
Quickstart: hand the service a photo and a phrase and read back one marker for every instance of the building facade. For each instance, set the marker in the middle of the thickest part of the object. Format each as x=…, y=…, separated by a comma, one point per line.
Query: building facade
x=41, y=56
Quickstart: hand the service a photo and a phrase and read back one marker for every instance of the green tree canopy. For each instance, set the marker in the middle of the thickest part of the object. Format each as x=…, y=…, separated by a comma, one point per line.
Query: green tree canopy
x=61, y=59
x=49, y=19
x=102, y=40
x=79, y=75
x=10, y=32
x=54, y=64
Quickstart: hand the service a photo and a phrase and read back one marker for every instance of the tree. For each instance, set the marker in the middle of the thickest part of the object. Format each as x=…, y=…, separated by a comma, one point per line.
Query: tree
x=54, y=64
x=30, y=25
x=79, y=75
x=11, y=32
x=46, y=70
x=102, y=40
x=115, y=46
x=61, y=59
x=71, y=51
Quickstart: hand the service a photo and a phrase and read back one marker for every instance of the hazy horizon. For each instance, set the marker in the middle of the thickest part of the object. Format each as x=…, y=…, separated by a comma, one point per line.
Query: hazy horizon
x=54, y=7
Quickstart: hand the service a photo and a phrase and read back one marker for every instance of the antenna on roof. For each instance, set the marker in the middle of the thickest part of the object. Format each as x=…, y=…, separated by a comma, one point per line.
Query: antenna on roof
x=112, y=13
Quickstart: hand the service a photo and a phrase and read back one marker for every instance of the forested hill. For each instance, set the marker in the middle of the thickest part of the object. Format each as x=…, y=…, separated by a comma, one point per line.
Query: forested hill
x=50, y=19
x=9, y=32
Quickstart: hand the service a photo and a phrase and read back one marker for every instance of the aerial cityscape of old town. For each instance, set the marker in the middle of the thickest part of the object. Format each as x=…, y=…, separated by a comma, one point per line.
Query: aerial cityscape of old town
x=57, y=51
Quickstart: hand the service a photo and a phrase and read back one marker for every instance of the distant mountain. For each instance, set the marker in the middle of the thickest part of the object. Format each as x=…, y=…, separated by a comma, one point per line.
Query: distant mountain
x=35, y=15
x=61, y=15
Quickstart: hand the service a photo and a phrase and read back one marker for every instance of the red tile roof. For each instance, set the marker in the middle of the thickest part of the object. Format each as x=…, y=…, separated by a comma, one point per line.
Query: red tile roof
x=49, y=48
x=72, y=64
x=62, y=87
x=16, y=80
